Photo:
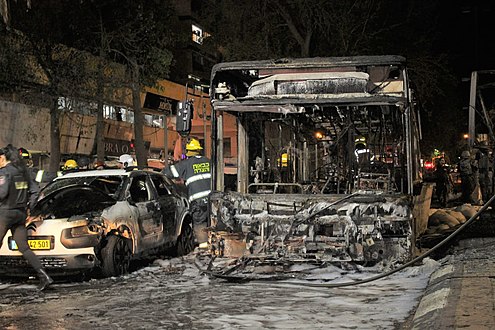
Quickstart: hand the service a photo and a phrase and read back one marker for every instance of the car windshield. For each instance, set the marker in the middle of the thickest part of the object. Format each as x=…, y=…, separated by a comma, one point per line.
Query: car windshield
x=110, y=184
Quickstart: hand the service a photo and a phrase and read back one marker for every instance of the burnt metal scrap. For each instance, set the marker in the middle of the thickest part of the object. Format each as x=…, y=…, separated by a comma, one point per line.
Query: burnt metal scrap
x=326, y=165
x=365, y=228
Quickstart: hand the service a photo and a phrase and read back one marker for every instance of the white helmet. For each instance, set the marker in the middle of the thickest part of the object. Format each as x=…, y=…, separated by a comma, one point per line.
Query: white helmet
x=126, y=160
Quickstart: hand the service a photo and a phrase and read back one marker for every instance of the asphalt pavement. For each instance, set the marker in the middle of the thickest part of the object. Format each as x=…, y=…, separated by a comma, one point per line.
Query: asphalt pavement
x=461, y=293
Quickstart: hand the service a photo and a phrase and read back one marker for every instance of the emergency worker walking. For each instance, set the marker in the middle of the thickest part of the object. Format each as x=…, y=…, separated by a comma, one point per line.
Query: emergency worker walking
x=442, y=180
x=17, y=193
x=468, y=180
x=41, y=177
x=195, y=171
x=28, y=161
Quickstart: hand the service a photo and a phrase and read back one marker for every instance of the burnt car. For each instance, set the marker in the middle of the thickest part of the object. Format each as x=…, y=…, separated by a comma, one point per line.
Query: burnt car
x=98, y=221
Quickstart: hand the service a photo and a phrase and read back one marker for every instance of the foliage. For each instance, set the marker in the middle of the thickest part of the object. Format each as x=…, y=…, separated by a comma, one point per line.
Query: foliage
x=130, y=31
x=299, y=28
x=74, y=43
x=137, y=35
x=14, y=69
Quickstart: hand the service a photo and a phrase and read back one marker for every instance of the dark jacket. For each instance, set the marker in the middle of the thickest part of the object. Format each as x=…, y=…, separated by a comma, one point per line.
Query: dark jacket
x=17, y=188
x=195, y=171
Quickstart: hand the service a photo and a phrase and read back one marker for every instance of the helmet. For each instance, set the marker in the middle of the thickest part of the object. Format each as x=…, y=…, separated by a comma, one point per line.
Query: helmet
x=283, y=160
x=83, y=161
x=99, y=163
x=24, y=153
x=360, y=143
x=465, y=154
x=71, y=164
x=193, y=145
x=126, y=159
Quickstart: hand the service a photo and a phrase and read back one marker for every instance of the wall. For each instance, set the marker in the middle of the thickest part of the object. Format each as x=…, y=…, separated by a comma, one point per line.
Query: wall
x=29, y=126
x=24, y=126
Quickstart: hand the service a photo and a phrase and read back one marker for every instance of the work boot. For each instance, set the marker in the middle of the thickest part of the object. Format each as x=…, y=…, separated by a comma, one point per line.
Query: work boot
x=45, y=280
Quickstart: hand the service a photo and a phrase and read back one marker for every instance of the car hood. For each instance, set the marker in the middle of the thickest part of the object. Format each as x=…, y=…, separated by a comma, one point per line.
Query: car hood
x=72, y=200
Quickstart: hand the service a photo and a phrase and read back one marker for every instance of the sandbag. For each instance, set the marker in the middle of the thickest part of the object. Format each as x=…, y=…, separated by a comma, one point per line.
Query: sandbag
x=431, y=230
x=467, y=210
x=442, y=227
x=431, y=211
x=442, y=217
x=458, y=215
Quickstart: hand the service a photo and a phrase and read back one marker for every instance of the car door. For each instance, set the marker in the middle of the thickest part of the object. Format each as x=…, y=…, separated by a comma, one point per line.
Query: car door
x=150, y=217
x=168, y=203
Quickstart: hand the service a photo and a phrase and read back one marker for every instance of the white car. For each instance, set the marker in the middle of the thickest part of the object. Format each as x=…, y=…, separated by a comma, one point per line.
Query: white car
x=100, y=220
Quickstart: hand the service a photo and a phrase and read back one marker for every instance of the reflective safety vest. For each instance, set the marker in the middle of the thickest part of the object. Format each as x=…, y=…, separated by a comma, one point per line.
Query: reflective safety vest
x=195, y=171
x=46, y=176
x=16, y=188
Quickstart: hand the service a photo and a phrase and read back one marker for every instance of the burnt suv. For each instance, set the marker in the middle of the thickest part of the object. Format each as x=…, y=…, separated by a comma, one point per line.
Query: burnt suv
x=100, y=220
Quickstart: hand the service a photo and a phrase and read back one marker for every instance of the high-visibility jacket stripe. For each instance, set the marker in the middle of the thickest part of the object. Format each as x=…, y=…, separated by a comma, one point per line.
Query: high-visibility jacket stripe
x=198, y=177
x=39, y=175
x=174, y=171
x=199, y=195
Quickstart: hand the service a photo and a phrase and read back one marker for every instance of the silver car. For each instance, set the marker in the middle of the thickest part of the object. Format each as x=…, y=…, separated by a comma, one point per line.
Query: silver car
x=100, y=220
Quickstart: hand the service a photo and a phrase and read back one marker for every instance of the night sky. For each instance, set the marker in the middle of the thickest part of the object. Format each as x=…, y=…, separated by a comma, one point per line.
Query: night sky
x=469, y=30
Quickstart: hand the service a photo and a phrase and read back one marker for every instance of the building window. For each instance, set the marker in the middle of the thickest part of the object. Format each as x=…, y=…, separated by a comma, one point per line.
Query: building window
x=118, y=113
x=109, y=111
x=77, y=106
x=227, y=148
x=197, y=34
x=153, y=120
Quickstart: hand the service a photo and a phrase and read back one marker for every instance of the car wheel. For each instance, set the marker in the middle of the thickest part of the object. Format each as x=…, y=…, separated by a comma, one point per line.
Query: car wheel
x=116, y=256
x=185, y=241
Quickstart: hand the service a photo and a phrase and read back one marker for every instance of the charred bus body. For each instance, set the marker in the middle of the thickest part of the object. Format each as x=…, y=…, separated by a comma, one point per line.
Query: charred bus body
x=327, y=160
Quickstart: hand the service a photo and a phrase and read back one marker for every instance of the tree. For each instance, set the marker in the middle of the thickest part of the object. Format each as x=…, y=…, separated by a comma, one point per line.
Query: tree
x=136, y=34
x=301, y=28
x=75, y=43
x=42, y=28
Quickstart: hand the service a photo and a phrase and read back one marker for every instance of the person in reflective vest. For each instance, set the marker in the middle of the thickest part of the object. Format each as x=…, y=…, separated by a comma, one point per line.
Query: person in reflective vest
x=41, y=177
x=195, y=171
x=18, y=192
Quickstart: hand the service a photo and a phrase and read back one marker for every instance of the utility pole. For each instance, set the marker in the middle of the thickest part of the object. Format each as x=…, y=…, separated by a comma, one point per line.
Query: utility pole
x=472, y=108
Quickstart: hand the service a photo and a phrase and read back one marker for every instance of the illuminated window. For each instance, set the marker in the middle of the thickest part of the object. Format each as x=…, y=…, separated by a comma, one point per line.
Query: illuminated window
x=197, y=34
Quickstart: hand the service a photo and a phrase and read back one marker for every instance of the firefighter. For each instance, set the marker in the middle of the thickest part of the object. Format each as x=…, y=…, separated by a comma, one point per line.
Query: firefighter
x=83, y=162
x=467, y=170
x=126, y=160
x=442, y=180
x=26, y=155
x=195, y=171
x=70, y=164
x=28, y=160
x=17, y=193
x=41, y=177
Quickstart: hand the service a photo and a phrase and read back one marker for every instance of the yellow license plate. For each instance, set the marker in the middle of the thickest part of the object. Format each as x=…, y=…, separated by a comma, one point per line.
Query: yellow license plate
x=39, y=244
x=34, y=244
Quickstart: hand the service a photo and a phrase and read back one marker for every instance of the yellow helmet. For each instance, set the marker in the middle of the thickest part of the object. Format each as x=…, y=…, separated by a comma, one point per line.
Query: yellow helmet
x=360, y=143
x=284, y=160
x=193, y=145
x=70, y=165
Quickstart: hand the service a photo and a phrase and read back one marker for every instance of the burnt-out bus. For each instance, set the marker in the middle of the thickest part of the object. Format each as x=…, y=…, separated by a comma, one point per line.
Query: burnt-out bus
x=327, y=160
